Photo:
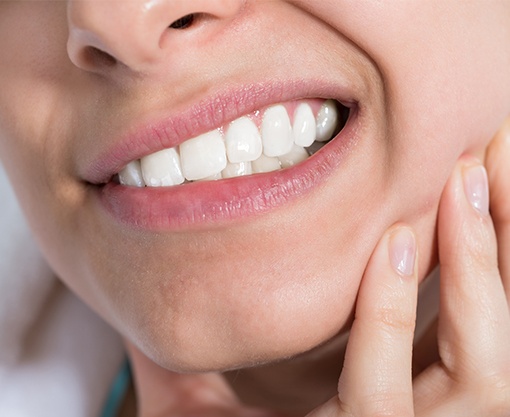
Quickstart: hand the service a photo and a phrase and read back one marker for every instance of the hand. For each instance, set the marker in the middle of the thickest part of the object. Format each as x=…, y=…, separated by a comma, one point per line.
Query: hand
x=472, y=374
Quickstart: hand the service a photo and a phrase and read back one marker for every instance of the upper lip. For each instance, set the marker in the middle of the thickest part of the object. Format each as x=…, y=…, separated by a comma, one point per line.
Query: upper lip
x=153, y=133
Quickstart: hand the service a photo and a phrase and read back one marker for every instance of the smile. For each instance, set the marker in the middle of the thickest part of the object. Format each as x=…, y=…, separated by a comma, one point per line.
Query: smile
x=276, y=138
x=228, y=158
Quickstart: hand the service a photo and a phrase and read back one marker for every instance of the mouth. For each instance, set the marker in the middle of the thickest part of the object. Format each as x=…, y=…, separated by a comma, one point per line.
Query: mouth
x=242, y=161
x=268, y=140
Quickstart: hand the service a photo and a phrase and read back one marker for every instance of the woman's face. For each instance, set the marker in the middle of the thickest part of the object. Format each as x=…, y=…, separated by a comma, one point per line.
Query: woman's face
x=220, y=274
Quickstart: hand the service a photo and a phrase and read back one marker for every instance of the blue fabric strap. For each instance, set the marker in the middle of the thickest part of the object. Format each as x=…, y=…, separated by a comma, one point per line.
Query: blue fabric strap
x=117, y=391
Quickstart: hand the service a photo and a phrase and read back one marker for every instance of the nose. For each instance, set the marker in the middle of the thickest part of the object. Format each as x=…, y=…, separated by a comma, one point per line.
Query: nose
x=139, y=33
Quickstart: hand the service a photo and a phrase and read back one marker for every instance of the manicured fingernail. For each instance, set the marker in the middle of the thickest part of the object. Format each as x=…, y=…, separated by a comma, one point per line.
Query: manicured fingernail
x=403, y=251
x=476, y=187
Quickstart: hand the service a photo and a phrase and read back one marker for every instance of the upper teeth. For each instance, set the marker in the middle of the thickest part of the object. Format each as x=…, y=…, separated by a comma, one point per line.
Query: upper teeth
x=243, y=149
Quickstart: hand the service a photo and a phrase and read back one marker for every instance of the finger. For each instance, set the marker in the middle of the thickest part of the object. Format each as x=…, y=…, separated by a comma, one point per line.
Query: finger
x=473, y=316
x=498, y=168
x=376, y=378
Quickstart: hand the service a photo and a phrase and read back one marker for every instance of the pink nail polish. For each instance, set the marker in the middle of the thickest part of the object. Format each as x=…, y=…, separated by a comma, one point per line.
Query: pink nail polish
x=403, y=251
x=476, y=187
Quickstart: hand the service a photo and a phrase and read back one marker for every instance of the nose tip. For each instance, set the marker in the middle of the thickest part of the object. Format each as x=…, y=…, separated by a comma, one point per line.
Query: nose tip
x=136, y=33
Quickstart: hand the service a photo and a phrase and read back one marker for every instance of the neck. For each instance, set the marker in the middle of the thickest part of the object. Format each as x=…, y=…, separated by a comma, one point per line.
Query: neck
x=294, y=386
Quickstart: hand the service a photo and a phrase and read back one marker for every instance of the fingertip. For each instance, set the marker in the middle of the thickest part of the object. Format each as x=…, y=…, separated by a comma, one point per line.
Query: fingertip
x=402, y=251
x=476, y=187
x=466, y=191
x=389, y=285
x=464, y=212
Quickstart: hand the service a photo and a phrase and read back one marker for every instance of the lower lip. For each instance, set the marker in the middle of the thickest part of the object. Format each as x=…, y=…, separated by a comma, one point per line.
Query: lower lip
x=210, y=204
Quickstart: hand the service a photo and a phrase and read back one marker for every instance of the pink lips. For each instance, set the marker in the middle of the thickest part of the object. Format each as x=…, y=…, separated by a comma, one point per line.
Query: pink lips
x=212, y=203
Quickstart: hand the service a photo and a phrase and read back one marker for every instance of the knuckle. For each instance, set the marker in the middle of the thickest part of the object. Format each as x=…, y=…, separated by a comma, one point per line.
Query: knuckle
x=394, y=319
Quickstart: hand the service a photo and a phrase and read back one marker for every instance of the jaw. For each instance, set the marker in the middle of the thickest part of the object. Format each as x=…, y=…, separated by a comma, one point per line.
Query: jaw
x=249, y=293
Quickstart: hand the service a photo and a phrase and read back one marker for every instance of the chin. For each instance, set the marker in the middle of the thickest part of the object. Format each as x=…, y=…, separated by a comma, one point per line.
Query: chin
x=242, y=323
x=198, y=354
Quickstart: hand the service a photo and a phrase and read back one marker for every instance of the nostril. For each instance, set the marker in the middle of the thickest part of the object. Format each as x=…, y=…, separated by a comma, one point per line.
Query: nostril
x=144, y=34
x=184, y=22
x=95, y=57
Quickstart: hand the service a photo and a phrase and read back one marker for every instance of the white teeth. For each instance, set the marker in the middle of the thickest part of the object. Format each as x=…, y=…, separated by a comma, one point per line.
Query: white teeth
x=162, y=169
x=304, y=126
x=213, y=177
x=265, y=164
x=277, y=138
x=203, y=156
x=327, y=121
x=243, y=150
x=237, y=170
x=243, y=141
x=132, y=175
x=295, y=156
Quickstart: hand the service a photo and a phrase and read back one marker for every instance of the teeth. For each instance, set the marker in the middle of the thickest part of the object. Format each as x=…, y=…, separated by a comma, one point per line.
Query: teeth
x=132, y=175
x=327, y=121
x=214, y=177
x=162, y=169
x=243, y=141
x=265, y=164
x=243, y=150
x=304, y=127
x=203, y=156
x=295, y=156
x=277, y=137
x=237, y=170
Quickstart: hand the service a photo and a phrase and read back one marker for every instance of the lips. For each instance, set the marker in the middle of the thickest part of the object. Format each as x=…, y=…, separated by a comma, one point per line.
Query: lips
x=211, y=203
x=277, y=137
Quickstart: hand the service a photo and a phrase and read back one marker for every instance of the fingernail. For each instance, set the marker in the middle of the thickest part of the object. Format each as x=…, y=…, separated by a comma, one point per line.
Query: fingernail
x=476, y=187
x=403, y=251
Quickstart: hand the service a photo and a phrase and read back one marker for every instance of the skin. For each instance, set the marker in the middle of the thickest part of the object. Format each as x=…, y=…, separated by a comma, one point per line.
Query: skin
x=431, y=91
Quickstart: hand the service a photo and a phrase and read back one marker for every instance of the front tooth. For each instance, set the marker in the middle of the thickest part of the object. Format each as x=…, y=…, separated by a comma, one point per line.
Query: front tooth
x=265, y=164
x=162, y=169
x=132, y=175
x=304, y=126
x=277, y=138
x=243, y=141
x=327, y=121
x=203, y=156
x=295, y=156
x=237, y=170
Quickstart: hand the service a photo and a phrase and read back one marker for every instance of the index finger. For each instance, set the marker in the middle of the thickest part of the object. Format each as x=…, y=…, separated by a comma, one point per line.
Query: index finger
x=376, y=378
